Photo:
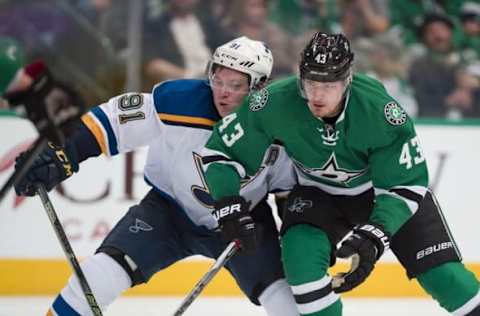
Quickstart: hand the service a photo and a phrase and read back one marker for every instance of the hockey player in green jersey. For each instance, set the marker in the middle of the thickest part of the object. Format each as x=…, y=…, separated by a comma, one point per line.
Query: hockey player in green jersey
x=359, y=168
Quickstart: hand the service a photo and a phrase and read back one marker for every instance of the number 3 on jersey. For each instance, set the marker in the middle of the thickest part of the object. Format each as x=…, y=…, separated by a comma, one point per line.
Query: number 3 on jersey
x=406, y=158
x=230, y=139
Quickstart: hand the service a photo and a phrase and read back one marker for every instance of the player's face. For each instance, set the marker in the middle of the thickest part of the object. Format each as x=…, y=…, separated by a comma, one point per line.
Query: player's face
x=324, y=98
x=229, y=88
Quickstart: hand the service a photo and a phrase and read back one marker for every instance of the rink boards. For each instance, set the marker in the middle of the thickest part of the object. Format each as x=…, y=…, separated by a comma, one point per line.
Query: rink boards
x=47, y=277
x=32, y=263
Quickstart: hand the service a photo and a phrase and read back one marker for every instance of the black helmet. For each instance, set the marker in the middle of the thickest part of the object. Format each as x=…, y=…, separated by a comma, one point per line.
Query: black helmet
x=326, y=58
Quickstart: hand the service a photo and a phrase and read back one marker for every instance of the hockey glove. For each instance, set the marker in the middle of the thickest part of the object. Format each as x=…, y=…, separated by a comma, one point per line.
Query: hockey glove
x=235, y=223
x=53, y=165
x=365, y=246
x=53, y=107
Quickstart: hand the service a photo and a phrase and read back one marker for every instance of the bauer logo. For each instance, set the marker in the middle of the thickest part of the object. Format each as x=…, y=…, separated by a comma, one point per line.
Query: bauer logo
x=434, y=249
x=227, y=210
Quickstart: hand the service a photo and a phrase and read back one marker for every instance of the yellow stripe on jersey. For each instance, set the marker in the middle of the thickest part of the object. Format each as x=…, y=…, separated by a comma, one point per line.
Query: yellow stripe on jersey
x=96, y=131
x=186, y=119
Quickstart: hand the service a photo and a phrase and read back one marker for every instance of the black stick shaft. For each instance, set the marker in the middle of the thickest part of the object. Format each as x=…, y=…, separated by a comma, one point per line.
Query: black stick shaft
x=67, y=249
x=226, y=255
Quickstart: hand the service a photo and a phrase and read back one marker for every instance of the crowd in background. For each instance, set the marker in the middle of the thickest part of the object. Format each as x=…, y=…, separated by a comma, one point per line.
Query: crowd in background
x=426, y=52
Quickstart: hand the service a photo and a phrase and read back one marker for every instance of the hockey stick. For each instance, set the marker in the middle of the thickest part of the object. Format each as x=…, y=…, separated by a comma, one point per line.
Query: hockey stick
x=226, y=255
x=67, y=249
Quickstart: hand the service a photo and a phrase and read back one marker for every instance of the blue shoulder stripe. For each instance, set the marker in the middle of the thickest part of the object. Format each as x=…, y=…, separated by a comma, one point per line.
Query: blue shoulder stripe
x=102, y=117
x=186, y=102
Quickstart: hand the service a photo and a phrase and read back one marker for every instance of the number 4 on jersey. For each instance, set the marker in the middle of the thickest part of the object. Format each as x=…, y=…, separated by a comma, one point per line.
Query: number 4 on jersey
x=230, y=139
x=406, y=158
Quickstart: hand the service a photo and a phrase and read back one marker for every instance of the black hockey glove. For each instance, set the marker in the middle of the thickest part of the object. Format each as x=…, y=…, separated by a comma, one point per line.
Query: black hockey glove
x=53, y=165
x=235, y=223
x=53, y=107
x=365, y=246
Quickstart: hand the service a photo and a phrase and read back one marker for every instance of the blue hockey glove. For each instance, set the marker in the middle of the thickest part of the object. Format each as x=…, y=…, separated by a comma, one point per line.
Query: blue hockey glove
x=53, y=165
x=235, y=223
x=365, y=246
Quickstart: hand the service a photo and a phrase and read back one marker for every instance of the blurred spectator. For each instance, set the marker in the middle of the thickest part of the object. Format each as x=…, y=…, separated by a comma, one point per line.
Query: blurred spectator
x=469, y=42
x=408, y=15
x=362, y=21
x=439, y=84
x=33, y=23
x=389, y=63
x=218, y=9
x=109, y=18
x=364, y=18
x=154, y=8
x=249, y=18
x=469, y=45
x=300, y=16
x=57, y=32
x=88, y=49
x=179, y=42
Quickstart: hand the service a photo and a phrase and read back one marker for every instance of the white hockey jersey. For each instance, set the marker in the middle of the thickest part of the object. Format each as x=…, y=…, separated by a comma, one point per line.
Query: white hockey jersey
x=175, y=121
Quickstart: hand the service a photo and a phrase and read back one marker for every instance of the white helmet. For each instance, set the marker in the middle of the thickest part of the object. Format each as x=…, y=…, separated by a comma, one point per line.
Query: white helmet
x=247, y=56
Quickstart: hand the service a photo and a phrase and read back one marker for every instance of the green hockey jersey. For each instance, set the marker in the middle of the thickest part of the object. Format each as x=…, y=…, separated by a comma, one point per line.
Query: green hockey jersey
x=372, y=144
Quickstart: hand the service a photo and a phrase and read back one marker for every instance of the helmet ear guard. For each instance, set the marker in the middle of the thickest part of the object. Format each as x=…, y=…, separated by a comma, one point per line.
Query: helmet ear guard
x=326, y=58
x=246, y=56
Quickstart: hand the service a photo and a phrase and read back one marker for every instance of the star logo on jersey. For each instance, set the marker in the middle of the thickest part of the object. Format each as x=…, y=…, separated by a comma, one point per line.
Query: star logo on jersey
x=394, y=114
x=258, y=100
x=299, y=205
x=331, y=171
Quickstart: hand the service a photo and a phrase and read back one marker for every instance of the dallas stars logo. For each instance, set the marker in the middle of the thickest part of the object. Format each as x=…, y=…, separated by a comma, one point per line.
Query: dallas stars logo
x=258, y=100
x=394, y=114
x=299, y=205
x=331, y=171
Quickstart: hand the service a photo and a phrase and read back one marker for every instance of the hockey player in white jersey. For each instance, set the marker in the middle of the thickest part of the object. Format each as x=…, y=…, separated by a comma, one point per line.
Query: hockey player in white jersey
x=175, y=219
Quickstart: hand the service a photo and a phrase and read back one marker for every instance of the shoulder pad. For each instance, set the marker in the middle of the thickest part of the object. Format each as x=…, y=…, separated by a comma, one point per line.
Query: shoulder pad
x=186, y=102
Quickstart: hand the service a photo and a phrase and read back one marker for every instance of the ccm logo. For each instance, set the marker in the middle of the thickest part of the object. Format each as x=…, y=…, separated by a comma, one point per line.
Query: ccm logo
x=227, y=210
x=433, y=249
x=64, y=159
x=227, y=56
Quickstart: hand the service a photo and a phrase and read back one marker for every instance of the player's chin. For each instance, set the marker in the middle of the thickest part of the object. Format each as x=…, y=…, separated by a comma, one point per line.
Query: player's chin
x=227, y=108
x=224, y=111
x=318, y=112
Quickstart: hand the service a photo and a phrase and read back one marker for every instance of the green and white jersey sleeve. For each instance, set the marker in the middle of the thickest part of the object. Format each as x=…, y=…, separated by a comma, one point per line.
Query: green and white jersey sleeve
x=397, y=169
x=234, y=152
x=396, y=165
